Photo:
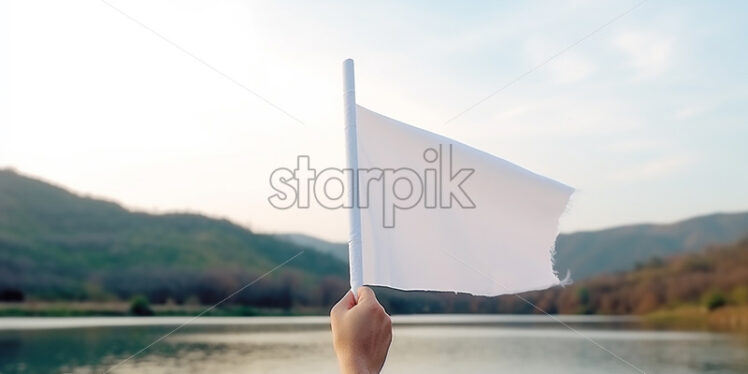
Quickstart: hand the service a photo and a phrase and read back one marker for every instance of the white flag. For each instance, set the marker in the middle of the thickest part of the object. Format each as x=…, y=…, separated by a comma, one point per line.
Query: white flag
x=440, y=215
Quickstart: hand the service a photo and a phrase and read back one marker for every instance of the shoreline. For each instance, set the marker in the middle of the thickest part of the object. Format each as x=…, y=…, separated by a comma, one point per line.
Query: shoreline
x=725, y=319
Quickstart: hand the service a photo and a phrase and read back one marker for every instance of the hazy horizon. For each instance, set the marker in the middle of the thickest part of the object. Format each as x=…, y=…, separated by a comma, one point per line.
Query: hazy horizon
x=315, y=235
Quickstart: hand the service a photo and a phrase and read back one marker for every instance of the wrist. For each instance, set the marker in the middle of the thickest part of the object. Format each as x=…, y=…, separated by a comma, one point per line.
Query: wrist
x=354, y=366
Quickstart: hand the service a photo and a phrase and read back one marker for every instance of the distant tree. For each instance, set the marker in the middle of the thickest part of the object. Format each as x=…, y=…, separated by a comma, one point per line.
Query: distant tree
x=695, y=264
x=583, y=297
x=714, y=300
x=140, y=306
x=654, y=263
x=11, y=295
x=332, y=288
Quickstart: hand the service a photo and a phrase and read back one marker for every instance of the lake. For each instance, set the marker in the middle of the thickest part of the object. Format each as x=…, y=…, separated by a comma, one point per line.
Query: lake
x=422, y=344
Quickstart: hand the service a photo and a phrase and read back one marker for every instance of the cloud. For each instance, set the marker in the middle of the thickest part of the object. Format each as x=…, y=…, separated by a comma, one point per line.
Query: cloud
x=649, y=53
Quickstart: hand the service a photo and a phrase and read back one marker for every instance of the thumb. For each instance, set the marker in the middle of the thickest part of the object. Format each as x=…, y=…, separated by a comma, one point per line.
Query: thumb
x=366, y=295
x=345, y=303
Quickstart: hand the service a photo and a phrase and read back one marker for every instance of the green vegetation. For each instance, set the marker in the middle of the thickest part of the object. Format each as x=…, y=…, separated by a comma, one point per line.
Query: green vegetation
x=63, y=254
x=587, y=254
x=708, y=281
x=714, y=300
x=121, y=308
x=728, y=318
x=57, y=246
x=140, y=306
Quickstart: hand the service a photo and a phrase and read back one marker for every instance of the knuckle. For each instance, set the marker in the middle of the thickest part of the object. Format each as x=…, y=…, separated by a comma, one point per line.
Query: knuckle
x=374, y=308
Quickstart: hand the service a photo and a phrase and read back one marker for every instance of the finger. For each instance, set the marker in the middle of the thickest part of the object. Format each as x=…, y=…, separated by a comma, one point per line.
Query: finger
x=345, y=303
x=366, y=295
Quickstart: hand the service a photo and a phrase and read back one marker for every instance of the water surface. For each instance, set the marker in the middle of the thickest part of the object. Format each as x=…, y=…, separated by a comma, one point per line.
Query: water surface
x=422, y=344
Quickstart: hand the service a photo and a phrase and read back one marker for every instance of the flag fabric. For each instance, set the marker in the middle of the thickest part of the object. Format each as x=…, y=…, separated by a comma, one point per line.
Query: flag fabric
x=439, y=215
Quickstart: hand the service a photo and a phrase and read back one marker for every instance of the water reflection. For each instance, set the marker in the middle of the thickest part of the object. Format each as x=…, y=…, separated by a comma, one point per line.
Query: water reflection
x=421, y=345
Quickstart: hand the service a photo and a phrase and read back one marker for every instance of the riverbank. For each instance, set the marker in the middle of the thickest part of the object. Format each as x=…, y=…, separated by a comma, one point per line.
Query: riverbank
x=120, y=309
x=730, y=318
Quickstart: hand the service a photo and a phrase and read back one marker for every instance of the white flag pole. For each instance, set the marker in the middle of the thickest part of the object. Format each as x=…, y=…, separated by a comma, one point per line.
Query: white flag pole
x=354, y=216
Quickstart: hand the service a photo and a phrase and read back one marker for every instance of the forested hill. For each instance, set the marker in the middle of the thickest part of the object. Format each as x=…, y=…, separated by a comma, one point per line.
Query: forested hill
x=586, y=254
x=57, y=245
x=592, y=253
x=712, y=278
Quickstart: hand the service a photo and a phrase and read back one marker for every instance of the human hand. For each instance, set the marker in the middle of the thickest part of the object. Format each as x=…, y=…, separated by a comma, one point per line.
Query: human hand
x=361, y=331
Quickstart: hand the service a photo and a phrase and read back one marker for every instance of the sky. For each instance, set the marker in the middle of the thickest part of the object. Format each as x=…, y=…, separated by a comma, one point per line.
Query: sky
x=189, y=106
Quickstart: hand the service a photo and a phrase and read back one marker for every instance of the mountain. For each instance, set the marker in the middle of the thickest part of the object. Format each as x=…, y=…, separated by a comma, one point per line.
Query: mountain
x=587, y=254
x=711, y=278
x=58, y=245
x=338, y=250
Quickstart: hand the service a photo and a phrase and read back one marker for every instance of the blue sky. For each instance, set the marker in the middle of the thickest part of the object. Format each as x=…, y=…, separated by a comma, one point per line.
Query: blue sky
x=647, y=117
